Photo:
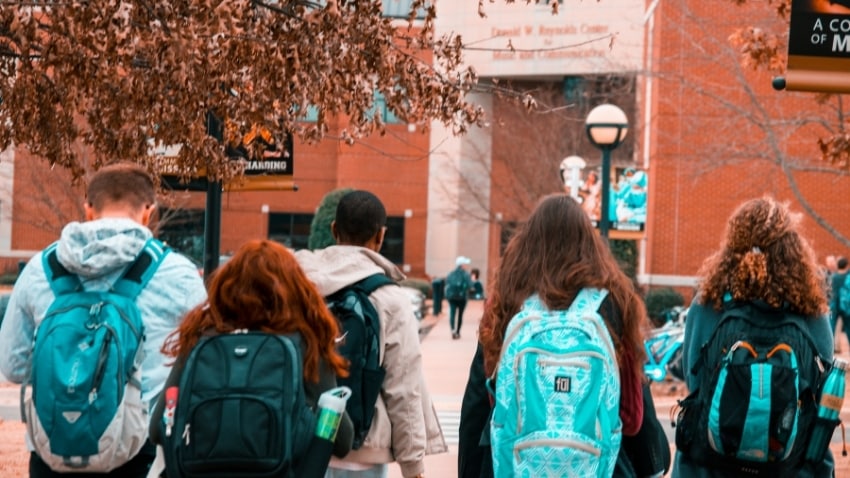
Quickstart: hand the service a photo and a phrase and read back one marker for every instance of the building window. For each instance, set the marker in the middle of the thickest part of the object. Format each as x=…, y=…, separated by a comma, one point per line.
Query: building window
x=574, y=90
x=393, y=248
x=400, y=9
x=291, y=230
x=508, y=230
x=380, y=107
x=183, y=231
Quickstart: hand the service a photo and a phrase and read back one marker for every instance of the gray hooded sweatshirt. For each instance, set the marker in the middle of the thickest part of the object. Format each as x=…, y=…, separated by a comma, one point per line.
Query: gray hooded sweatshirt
x=98, y=252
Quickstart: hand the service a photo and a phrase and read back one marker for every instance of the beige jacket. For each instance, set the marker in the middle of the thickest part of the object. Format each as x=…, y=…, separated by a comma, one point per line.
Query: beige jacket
x=405, y=427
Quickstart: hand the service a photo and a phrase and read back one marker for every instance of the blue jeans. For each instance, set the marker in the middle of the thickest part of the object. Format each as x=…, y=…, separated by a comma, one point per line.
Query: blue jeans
x=456, y=307
x=377, y=471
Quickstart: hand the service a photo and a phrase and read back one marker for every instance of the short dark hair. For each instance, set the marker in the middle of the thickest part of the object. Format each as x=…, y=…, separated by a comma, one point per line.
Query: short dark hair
x=841, y=263
x=121, y=183
x=360, y=215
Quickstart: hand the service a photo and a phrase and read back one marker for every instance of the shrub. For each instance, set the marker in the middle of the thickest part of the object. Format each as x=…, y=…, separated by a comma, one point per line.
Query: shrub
x=659, y=300
x=320, y=228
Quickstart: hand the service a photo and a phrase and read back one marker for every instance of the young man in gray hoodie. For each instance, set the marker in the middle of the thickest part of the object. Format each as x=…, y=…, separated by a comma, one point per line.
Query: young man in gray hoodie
x=405, y=426
x=120, y=200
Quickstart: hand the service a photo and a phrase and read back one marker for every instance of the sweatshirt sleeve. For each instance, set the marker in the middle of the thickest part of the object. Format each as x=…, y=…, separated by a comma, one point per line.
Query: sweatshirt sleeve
x=631, y=387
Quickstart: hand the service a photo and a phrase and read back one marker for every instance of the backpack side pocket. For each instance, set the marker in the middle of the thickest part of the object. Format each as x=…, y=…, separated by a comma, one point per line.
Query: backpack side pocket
x=687, y=421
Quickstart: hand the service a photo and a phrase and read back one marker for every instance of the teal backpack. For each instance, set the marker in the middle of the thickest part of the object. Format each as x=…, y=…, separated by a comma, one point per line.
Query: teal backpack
x=557, y=393
x=83, y=402
x=755, y=405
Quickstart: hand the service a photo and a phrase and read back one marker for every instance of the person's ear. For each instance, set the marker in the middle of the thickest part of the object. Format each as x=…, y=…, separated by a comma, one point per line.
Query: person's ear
x=147, y=212
x=89, y=210
x=333, y=232
x=379, y=238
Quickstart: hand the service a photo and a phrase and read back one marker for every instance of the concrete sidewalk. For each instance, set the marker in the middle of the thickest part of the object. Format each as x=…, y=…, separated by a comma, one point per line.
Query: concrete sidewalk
x=446, y=367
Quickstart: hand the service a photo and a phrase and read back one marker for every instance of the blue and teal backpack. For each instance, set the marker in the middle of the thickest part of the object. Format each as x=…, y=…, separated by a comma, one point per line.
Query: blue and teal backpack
x=756, y=403
x=557, y=393
x=83, y=401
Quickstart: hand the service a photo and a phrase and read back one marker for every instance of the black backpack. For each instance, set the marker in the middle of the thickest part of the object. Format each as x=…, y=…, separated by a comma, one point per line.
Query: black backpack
x=360, y=344
x=240, y=409
x=755, y=407
x=457, y=285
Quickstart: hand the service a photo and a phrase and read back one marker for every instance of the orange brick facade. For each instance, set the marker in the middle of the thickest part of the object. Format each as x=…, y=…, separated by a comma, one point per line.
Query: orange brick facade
x=711, y=147
x=705, y=142
x=394, y=166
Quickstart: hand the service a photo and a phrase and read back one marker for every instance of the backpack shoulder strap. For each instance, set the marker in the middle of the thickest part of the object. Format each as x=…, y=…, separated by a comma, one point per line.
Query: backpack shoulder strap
x=136, y=277
x=373, y=282
x=587, y=299
x=60, y=279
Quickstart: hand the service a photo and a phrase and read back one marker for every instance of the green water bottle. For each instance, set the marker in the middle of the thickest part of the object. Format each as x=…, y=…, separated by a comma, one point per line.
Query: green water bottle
x=331, y=407
x=831, y=400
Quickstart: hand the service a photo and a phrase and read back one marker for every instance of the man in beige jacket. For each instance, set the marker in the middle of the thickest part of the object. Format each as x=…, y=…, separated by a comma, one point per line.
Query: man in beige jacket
x=405, y=426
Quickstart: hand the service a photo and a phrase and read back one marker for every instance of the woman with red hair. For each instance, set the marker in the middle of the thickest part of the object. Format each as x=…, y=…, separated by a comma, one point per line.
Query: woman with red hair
x=263, y=289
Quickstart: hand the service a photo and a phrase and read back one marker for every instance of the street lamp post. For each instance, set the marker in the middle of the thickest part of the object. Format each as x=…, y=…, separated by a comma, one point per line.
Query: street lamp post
x=606, y=127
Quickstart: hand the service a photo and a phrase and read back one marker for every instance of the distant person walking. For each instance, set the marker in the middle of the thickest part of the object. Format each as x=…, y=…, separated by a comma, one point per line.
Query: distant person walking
x=405, y=427
x=458, y=284
x=839, y=298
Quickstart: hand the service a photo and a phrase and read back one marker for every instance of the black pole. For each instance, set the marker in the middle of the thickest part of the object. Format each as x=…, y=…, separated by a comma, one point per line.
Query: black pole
x=212, y=228
x=212, y=216
x=604, y=218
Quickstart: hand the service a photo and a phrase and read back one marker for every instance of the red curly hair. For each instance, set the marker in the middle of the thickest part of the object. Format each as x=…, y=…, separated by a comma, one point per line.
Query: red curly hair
x=263, y=288
x=763, y=256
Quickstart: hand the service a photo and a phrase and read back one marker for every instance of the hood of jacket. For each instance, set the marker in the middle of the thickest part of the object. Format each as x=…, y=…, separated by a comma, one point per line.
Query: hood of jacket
x=335, y=267
x=97, y=248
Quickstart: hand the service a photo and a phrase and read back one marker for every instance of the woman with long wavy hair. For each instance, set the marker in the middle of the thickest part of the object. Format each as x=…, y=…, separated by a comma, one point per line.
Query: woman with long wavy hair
x=765, y=263
x=556, y=254
x=262, y=288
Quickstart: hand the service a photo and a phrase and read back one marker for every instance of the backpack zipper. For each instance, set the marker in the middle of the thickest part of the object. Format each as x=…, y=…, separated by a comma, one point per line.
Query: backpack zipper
x=185, y=436
x=555, y=443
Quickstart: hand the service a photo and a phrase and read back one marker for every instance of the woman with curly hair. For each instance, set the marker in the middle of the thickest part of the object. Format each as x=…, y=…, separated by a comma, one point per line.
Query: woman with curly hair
x=765, y=263
x=262, y=288
x=554, y=255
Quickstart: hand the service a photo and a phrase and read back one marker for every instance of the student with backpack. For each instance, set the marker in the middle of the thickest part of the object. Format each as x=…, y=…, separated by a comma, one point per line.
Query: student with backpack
x=404, y=427
x=251, y=363
x=458, y=285
x=758, y=346
x=562, y=347
x=83, y=330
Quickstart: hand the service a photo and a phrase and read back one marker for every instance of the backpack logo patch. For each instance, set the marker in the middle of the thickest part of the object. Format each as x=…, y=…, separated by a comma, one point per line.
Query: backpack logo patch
x=562, y=384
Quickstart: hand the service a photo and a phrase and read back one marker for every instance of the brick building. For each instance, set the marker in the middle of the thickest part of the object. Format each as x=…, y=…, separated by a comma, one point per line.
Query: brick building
x=708, y=132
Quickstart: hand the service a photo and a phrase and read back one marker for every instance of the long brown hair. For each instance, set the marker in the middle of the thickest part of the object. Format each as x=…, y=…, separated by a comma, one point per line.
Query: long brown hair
x=555, y=254
x=763, y=256
x=263, y=288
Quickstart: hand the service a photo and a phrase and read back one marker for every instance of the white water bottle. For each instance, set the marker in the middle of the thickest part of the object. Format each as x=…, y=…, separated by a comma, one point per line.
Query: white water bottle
x=331, y=407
